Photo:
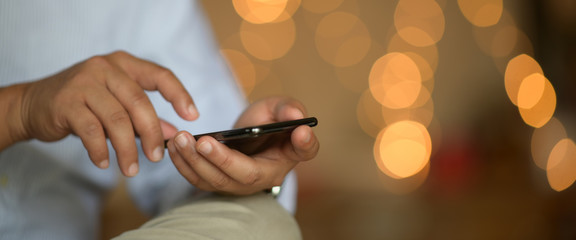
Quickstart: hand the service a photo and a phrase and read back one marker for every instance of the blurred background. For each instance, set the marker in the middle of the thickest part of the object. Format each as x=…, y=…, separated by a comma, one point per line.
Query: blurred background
x=438, y=119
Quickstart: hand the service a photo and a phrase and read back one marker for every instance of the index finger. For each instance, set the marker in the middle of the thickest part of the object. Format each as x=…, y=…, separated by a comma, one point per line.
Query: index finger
x=151, y=76
x=239, y=167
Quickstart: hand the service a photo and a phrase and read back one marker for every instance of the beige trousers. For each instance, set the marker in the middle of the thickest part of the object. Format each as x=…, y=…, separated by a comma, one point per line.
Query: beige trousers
x=219, y=217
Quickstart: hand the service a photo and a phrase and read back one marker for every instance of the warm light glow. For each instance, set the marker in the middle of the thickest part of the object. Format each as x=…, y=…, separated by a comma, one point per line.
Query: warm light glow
x=342, y=39
x=242, y=68
x=523, y=46
x=423, y=114
x=395, y=81
x=398, y=152
x=482, y=13
x=519, y=68
x=543, y=110
x=430, y=53
x=423, y=100
x=531, y=90
x=500, y=39
x=369, y=113
x=403, y=149
x=405, y=185
x=504, y=41
x=544, y=139
x=321, y=6
x=289, y=11
x=427, y=74
x=561, y=168
x=419, y=22
x=426, y=70
x=268, y=41
x=260, y=11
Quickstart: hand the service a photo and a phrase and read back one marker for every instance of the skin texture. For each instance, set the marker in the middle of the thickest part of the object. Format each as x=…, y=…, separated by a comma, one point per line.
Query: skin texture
x=104, y=97
x=211, y=166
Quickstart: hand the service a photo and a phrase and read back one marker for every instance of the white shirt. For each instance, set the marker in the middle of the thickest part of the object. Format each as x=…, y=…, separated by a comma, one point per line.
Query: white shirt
x=52, y=190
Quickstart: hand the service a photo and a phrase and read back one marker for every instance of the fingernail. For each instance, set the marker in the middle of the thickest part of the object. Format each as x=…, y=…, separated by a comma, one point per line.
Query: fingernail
x=133, y=170
x=192, y=111
x=205, y=148
x=157, y=154
x=104, y=164
x=181, y=140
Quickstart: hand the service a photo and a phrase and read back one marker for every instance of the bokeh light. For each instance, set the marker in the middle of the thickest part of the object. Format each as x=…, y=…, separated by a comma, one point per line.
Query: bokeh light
x=498, y=40
x=395, y=81
x=544, y=139
x=429, y=53
x=291, y=7
x=523, y=45
x=423, y=114
x=427, y=74
x=242, y=68
x=482, y=13
x=268, y=41
x=561, y=167
x=260, y=11
x=342, y=39
x=419, y=22
x=517, y=69
x=541, y=112
x=531, y=90
x=504, y=41
x=426, y=71
x=403, y=149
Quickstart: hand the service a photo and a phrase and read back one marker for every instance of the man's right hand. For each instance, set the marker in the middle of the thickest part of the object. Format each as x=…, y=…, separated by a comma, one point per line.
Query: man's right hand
x=103, y=97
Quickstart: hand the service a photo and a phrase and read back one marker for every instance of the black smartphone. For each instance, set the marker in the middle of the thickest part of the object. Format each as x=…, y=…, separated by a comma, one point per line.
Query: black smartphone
x=254, y=139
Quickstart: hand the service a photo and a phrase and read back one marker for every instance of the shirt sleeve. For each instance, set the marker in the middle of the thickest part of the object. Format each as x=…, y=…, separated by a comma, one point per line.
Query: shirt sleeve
x=185, y=45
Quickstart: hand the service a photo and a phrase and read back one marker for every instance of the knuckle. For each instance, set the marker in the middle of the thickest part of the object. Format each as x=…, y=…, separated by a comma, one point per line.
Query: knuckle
x=164, y=73
x=120, y=54
x=97, y=154
x=192, y=158
x=220, y=182
x=92, y=129
x=193, y=180
x=225, y=163
x=119, y=117
x=97, y=62
x=152, y=130
x=139, y=99
x=254, y=175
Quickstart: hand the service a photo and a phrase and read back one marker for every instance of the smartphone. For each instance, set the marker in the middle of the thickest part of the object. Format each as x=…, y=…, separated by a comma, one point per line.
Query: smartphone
x=254, y=139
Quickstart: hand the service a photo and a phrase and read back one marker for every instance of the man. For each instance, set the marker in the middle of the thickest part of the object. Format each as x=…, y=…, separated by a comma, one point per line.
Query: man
x=73, y=75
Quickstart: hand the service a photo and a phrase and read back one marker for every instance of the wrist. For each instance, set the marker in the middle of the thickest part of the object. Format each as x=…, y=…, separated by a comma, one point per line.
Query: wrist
x=11, y=112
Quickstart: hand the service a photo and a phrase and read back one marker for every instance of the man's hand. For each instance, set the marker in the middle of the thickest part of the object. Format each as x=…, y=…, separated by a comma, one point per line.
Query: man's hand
x=212, y=166
x=104, y=97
